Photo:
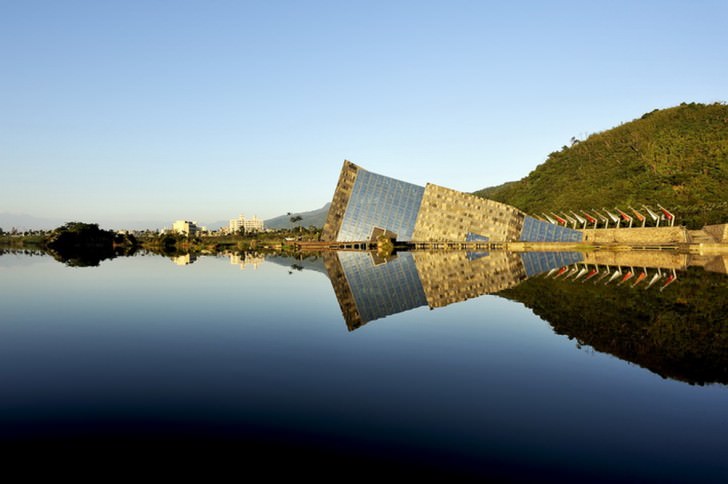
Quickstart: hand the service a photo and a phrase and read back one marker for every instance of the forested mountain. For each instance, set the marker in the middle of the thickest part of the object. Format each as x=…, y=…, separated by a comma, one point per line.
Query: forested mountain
x=677, y=157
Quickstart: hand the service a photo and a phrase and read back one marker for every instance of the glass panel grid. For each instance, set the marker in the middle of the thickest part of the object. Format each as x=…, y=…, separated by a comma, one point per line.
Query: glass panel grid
x=539, y=262
x=538, y=231
x=379, y=201
x=381, y=290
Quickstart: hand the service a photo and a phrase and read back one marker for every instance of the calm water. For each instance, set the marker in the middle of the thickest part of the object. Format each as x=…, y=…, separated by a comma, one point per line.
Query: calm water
x=259, y=360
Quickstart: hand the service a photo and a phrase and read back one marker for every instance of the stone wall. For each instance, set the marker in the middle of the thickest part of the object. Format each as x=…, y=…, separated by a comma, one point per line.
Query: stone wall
x=637, y=236
x=718, y=232
x=340, y=201
x=449, y=215
x=711, y=263
x=343, y=291
x=639, y=258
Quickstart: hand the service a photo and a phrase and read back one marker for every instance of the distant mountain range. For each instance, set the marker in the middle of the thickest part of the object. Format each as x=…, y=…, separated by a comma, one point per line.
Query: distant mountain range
x=22, y=222
x=317, y=218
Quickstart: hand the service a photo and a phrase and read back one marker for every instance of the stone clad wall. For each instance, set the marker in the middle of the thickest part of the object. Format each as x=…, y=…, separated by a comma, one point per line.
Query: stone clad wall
x=449, y=215
x=712, y=263
x=637, y=236
x=343, y=291
x=718, y=232
x=344, y=187
x=665, y=259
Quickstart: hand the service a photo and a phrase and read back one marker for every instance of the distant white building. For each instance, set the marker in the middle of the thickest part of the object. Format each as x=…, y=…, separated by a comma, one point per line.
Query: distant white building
x=253, y=224
x=185, y=227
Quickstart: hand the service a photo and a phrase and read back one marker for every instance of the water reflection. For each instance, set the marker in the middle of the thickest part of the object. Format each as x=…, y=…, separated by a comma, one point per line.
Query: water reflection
x=183, y=259
x=613, y=302
x=143, y=352
x=369, y=287
x=246, y=260
x=664, y=311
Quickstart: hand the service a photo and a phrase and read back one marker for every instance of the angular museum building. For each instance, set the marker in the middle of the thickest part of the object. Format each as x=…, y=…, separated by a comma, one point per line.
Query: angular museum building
x=367, y=205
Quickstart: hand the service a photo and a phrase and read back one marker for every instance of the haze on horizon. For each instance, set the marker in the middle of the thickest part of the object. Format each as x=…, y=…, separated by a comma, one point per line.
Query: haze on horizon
x=122, y=112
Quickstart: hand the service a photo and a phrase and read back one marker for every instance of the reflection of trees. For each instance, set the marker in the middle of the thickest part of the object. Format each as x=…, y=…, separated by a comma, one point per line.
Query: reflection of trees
x=80, y=245
x=680, y=333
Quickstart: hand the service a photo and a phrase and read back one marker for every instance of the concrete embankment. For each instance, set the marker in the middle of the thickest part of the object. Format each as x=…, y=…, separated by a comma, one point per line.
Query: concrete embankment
x=712, y=239
x=666, y=259
x=653, y=236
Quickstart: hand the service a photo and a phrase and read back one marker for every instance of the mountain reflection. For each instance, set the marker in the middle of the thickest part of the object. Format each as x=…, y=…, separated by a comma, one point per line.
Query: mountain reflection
x=614, y=302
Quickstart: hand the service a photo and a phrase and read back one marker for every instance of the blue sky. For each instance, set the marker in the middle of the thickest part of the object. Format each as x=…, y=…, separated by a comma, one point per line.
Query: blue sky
x=120, y=112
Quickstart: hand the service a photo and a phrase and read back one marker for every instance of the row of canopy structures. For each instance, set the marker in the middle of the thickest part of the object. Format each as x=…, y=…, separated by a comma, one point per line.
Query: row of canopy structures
x=597, y=274
x=602, y=218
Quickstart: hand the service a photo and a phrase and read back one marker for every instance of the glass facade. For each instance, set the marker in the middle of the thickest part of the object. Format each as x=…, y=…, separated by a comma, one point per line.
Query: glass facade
x=383, y=289
x=379, y=201
x=471, y=237
x=537, y=231
x=366, y=204
x=539, y=262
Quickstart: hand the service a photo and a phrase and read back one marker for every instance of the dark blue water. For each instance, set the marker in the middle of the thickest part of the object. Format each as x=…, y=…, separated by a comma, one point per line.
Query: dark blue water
x=140, y=353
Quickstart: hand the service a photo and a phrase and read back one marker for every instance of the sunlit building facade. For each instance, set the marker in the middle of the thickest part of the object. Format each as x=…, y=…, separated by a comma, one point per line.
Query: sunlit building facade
x=186, y=228
x=366, y=205
x=253, y=224
x=380, y=202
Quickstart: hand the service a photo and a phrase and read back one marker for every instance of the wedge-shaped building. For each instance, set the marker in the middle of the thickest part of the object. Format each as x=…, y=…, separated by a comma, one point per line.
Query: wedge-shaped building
x=367, y=205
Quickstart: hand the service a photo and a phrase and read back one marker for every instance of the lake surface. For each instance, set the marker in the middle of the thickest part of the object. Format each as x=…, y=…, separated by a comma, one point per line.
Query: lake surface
x=338, y=364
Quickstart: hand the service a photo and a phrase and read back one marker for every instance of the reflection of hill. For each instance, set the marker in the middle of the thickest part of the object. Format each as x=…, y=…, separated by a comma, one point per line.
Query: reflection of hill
x=599, y=299
x=313, y=262
x=681, y=333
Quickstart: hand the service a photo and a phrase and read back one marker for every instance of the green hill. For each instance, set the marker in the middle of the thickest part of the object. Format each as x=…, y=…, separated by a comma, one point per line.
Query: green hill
x=677, y=157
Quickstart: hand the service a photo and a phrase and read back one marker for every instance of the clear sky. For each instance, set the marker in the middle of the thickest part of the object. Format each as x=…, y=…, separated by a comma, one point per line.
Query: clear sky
x=123, y=111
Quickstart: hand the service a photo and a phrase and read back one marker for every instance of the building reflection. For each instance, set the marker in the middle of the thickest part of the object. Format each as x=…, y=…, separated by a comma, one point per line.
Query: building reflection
x=369, y=287
x=246, y=259
x=631, y=305
x=183, y=259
